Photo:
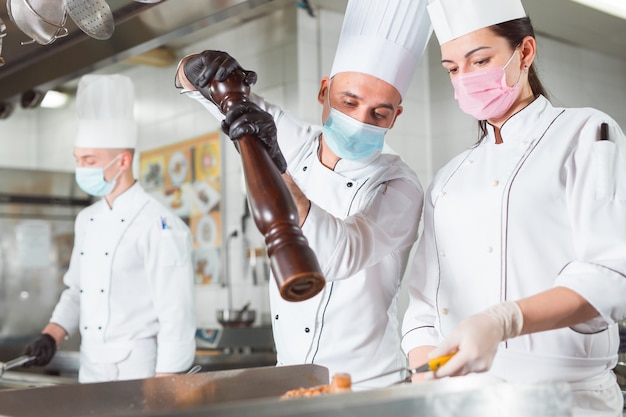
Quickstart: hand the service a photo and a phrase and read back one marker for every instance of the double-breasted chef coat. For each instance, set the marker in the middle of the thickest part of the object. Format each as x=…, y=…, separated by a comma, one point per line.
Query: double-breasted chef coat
x=130, y=290
x=545, y=208
x=362, y=225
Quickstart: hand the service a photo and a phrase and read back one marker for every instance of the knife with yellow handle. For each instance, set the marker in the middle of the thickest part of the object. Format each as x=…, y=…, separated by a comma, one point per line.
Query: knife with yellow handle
x=431, y=365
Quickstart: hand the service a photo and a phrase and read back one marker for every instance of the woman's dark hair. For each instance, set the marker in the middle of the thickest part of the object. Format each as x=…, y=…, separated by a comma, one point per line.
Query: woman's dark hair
x=514, y=31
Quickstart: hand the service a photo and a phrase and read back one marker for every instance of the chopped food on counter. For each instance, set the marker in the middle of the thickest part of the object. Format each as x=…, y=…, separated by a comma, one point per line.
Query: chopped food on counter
x=340, y=383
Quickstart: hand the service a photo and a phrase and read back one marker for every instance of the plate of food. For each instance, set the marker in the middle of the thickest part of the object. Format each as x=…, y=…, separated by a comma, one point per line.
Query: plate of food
x=206, y=263
x=205, y=196
x=178, y=167
x=206, y=231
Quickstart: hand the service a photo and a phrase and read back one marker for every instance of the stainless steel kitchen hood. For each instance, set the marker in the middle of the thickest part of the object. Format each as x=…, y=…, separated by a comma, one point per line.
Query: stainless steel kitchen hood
x=140, y=27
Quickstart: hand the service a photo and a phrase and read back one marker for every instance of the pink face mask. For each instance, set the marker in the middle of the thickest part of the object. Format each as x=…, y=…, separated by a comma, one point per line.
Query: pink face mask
x=485, y=94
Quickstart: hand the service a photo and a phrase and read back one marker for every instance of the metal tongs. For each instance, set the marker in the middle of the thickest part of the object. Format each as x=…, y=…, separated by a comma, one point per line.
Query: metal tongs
x=431, y=365
x=14, y=363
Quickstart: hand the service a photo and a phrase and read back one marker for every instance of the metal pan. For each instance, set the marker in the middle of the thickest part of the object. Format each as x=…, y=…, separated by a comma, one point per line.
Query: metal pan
x=14, y=363
x=94, y=17
x=42, y=20
x=237, y=318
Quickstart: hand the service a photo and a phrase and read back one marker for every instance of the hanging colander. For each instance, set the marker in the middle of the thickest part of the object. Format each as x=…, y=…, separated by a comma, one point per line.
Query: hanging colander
x=94, y=17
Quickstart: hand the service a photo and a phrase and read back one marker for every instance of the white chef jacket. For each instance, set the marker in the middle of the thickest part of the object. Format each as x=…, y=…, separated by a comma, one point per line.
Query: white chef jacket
x=130, y=290
x=545, y=208
x=362, y=225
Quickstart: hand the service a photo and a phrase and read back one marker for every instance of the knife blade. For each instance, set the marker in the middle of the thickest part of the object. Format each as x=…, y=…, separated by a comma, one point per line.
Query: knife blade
x=431, y=365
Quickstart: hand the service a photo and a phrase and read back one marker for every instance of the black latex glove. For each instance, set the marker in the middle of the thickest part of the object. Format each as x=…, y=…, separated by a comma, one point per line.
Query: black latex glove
x=200, y=69
x=44, y=348
x=249, y=119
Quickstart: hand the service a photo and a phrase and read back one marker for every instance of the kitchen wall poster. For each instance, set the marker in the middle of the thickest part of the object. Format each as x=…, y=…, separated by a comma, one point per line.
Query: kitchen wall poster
x=187, y=178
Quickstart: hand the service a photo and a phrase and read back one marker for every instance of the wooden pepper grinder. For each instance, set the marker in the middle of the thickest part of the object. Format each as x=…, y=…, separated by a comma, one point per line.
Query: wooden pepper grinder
x=292, y=261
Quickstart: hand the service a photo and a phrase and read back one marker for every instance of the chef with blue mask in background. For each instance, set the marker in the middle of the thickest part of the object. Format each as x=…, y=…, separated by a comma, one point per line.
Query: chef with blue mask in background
x=358, y=206
x=130, y=285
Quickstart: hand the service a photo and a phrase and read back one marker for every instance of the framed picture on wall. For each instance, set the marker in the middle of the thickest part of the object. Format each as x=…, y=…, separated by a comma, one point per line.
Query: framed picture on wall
x=187, y=178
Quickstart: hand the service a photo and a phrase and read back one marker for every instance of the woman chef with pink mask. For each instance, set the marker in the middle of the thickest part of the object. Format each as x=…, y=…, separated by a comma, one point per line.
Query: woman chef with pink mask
x=521, y=268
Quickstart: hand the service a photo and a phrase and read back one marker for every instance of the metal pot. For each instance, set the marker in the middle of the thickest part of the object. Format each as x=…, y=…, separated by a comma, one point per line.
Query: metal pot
x=236, y=318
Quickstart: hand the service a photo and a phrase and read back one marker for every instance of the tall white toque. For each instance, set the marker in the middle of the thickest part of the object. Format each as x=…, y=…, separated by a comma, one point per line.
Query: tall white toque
x=454, y=18
x=383, y=38
x=105, y=106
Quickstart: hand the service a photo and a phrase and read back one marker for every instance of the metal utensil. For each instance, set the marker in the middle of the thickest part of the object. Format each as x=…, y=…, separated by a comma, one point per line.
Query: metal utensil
x=14, y=363
x=3, y=33
x=94, y=17
x=194, y=370
x=42, y=20
x=236, y=318
x=245, y=308
x=431, y=365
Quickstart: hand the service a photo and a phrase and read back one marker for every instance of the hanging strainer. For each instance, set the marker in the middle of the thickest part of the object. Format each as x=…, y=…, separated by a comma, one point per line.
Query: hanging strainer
x=93, y=17
x=42, y=20
x=3, y=33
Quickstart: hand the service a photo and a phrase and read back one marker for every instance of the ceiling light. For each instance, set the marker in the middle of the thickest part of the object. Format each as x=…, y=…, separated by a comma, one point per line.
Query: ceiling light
x=612, y=7
x=54, y=100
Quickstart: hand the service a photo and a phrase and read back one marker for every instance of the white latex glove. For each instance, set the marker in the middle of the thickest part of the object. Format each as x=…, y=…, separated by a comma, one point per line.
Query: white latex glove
x=476, y=339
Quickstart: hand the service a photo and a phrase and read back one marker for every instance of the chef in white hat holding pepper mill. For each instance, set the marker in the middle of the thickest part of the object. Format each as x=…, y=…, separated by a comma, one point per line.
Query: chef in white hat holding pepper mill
x=130, y=280
x=358, y=207
x=521, y=269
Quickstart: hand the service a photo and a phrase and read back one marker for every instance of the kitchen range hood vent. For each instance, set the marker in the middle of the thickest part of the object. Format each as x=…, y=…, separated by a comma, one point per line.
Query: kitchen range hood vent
x=139, y=27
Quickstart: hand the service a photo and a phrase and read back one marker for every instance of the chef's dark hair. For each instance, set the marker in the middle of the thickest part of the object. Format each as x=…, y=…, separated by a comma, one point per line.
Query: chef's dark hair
x=514, y=31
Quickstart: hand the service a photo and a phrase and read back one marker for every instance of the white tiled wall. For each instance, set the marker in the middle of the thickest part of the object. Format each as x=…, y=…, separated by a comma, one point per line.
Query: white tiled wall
x=291, y=51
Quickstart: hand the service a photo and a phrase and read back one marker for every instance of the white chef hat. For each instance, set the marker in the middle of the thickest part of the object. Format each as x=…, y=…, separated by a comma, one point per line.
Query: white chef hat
x=383, y=38
x=454, y=18
x=105, y=106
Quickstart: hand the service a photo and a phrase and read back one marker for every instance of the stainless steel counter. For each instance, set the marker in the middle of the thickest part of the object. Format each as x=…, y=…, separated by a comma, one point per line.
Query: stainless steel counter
x=158, y=395
x=443, y=398
x=256, y=392
x=13, y=380
x=63, y=369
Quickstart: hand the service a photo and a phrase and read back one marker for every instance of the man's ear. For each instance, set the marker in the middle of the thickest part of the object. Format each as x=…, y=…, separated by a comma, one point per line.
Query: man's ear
x=127, y=160
x=321, y=94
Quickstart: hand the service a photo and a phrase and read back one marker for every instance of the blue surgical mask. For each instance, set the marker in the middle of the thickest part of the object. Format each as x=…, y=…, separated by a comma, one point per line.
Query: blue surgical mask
x=350, y=139
x=91, y=179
